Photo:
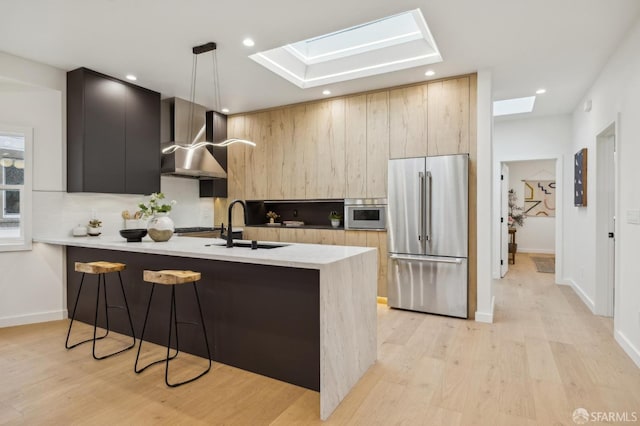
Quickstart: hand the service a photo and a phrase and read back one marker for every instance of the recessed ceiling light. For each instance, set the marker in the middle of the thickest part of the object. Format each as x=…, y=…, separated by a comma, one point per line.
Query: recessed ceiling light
x=541, y=91
x=430, y=73
x=513, y=106
x=326, y=92
x=248, y=42
x=131, y=77
x=225, y=110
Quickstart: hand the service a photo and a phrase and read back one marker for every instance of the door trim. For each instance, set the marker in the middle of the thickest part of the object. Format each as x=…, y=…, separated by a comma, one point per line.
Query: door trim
x=604, y=303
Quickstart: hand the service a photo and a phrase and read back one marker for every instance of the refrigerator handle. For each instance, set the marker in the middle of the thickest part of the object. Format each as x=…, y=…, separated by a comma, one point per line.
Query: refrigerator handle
x=421, y=236
x=427, y=226
x=434, y=259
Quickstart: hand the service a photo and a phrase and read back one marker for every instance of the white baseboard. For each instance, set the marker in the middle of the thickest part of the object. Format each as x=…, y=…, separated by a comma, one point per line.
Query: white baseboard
x=585, y=299
x=486, y=316
x=33, y=318
x=535, y=251
x=628, y=347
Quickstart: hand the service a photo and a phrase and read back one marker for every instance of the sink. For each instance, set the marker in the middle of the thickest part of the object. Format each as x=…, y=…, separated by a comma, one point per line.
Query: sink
x=248, y=245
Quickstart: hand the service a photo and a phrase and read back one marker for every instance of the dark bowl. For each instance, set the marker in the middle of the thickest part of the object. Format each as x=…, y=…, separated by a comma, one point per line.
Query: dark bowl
x=133, y=235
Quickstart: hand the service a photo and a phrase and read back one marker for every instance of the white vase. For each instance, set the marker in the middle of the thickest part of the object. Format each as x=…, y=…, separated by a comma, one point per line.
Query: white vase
x=335, y=222
x=160, y=227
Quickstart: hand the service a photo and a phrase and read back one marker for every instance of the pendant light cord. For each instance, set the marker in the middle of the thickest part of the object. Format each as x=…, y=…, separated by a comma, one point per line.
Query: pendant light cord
x=216, y=81
x=194, y=73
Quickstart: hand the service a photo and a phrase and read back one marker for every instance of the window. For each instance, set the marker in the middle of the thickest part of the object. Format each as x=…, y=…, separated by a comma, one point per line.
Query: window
x=15, y=188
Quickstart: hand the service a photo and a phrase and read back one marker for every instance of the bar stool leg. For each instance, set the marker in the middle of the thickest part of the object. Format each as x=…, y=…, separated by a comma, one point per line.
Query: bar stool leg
x=73, y=316
x=106, y=312
x=144, y=326
x=206, y=341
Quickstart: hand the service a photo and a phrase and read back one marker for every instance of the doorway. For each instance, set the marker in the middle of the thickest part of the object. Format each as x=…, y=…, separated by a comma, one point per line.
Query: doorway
x=605, y=221
x=504, y=220
x=529, y=192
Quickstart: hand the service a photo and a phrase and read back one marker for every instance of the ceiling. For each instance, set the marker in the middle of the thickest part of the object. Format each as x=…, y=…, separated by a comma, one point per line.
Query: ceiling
x=560, y=45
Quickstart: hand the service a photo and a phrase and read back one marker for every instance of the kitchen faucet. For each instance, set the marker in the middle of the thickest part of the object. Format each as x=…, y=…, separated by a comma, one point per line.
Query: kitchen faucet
x=230, y=225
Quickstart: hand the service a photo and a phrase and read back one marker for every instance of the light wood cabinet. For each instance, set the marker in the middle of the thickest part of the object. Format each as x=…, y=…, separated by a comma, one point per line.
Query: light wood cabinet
x=279, y=157
x=293, y=164
x=329, y=181
x=377, y=240
x=356, y=146
x=448, y=112
x=258, y=129
x=261, y=234
x=408, y=120
x=377, y=144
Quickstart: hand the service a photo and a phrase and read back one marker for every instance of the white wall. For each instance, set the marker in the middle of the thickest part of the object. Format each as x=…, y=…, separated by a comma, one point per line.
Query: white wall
x=534, y=138
x=538, y=233
x=614, y=95
x=31, y=289
x=485, y=298
x=33, y=285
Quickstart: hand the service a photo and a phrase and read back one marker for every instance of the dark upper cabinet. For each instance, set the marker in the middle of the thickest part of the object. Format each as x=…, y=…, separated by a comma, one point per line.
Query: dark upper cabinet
x=113, y=135
x=216, y=132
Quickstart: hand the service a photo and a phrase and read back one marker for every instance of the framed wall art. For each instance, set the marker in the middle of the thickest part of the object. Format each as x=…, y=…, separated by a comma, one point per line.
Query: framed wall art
x=580, y=178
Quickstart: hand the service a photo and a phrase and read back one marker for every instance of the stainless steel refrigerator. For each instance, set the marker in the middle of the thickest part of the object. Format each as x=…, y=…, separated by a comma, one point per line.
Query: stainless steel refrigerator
x=428, y=234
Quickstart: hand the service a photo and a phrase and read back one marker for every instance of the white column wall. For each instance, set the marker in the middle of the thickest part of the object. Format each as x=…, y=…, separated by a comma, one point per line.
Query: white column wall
x=484, y=310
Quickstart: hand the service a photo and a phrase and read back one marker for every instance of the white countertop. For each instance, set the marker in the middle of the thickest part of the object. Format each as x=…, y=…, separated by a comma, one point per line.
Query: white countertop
x=307, y=256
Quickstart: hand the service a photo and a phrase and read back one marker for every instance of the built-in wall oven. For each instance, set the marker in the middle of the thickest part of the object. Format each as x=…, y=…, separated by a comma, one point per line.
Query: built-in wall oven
x=365, y=213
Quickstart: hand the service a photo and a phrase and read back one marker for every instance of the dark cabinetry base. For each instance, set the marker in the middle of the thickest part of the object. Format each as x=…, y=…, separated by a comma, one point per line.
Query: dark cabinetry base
x=264, y=319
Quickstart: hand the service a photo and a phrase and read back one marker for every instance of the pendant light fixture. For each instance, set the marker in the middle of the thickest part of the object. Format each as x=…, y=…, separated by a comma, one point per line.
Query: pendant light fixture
x=193, y=145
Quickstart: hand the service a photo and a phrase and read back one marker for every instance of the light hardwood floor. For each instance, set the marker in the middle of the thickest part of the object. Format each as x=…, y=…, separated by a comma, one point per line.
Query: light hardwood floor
x=544, y=356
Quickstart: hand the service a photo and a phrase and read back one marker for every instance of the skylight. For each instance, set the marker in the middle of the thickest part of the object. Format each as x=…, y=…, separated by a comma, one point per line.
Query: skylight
x=389, y=44
x=513, y=106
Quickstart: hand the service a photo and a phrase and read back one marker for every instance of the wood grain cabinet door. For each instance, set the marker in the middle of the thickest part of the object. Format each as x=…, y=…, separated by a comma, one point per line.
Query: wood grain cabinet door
x=377, y=144
x=408, y=108
x=356, y=146
x=449, y=107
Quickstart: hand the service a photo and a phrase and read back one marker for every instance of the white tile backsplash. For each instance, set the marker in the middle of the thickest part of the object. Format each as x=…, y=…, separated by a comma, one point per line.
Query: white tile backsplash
x=57, y=213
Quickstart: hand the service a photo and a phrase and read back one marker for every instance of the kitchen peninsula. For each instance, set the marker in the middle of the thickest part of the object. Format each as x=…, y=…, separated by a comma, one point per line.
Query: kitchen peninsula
x=301, y=313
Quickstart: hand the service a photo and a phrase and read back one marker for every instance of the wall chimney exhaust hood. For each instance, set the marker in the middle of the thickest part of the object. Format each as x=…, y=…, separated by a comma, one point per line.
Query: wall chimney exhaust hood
x=187, y=124
x=189, y=146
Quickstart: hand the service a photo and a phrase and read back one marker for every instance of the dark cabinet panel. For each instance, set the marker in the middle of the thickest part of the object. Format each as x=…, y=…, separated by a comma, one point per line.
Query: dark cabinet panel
x=113, y=135
x=104, y=135
x=142, y=155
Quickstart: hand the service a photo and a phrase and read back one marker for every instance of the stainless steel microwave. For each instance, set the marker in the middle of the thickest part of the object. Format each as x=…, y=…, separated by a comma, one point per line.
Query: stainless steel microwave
x=365, y=213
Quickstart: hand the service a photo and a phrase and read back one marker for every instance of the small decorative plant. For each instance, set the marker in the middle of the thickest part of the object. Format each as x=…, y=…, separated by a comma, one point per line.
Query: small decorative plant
x=272, y=216
x=155, y=206
x=334, y=215
x=95, y=223
x=95, y=227
x=516, y=213
x=335, y=218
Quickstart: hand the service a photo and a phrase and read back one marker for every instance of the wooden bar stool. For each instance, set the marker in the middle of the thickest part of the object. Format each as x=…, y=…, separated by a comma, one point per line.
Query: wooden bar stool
x=101, y=269
x=173, y=278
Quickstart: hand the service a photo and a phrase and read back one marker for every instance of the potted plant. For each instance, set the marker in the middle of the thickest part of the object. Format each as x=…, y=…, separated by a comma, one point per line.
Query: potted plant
x=95, y=227
x=516, y=213
x=335, y=218
x=160, y=227
x=272, y=216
